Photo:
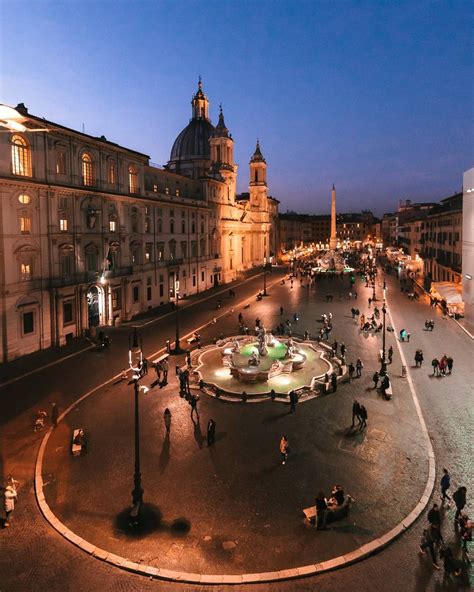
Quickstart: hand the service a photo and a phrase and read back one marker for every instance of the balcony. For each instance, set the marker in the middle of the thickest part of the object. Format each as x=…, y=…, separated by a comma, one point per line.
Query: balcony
x=174, y=262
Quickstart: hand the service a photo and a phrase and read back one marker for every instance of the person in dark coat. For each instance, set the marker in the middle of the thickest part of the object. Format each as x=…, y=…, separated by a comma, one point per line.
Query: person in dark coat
x=451, y=565
x=355, y=412
x=450, y=362
x=445, y=485
x=351, y=371
x=167, y=420
x=293, y=401
x=321, y=509
x=434, y=516
x=459, y=498
x=390, y=354
x=334, y=382
x=363, y=417
x=54, y=415
x=359, y=366
x=211, y=432
x=432, y=536
x=376, y=378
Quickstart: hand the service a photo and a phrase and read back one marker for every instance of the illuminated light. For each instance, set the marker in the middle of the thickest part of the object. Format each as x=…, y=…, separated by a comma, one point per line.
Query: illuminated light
x=222, y=373
x=102, y=279
x=468, y=276
x=282, y=380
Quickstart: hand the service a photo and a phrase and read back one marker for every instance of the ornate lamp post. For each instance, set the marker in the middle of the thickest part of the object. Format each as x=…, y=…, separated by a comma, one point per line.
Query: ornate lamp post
x=177, y=348
x=384, y=312
x=135, y=360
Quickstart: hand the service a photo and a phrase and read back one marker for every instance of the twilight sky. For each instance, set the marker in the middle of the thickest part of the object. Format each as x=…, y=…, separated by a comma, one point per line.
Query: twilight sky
x=374, y=96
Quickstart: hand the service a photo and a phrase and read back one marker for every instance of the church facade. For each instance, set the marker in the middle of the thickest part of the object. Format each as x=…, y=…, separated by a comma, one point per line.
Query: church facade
x=91, y=234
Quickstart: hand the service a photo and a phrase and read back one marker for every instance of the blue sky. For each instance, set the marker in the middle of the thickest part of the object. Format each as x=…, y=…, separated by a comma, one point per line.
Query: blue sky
x=373, y=96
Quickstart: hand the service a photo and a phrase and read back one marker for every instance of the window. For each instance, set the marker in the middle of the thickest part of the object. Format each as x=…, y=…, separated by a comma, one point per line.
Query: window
x=184, y=249
x=28, y=322
x=132, y=179
x=148, y=252
x=116, y=298
x=66, y=260
x=136, y=293
x=112, y=225
x=171, y=226
x=202, y=276
x=135, y=253
x=24, y=199
x=68, y=313
x=147, y=225
x=193, y=248
x=167, y=190
x=202, y=247
x=172, y=249
x=87, y=170
x=160, y=251
x=61, y=163
x=25, y=224
x=25, y=271
x=202, y=227
x=193, y=228
x=63, y=224
x=91, y=252
x=21, y=156
x=159, y=226
x=111, y=176
x=171, y=213
x=134, y=223
x=183, y=227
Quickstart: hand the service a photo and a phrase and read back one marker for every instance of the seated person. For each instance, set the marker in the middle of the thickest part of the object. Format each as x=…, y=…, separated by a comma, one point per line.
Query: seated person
x=337, y=498
x=80, y=439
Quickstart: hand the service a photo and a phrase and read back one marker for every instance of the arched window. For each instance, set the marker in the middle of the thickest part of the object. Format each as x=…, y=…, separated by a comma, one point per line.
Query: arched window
x=26, y=256
x=111, y=172
x=132, y=179
x=171, y=226
x=66, y=259
x=183, y=227
x=25, y=222
x=159, y=228
x=147, y=225
x=202, y=247
x=134, y=222
x=135, y=253
x=87, y=170
x=172, y=249
x=21, y=156
x=92, y=252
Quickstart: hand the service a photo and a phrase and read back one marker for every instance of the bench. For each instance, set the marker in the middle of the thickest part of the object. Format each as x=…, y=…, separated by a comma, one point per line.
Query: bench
x=162, y=358
x=76, y=449
x=310, y=514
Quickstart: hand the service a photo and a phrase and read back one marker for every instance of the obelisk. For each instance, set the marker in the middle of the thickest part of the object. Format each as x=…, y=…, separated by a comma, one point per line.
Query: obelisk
x=333, y=239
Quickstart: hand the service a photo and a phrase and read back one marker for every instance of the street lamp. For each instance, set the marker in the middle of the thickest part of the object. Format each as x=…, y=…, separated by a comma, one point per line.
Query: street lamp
x=135, y=359
x=265, y=276
x=384, y=312
x=177, y=348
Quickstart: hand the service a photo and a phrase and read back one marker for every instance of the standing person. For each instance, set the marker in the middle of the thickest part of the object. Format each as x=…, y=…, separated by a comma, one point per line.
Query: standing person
x=351, y=371
x=432, y=536
x=158, y=370
x=355, y=412
x=211, y=432
x=459, y=498
x=390, y=354
x=363, y=417
x=54, y=415
x=144, y=367
x=434, y=516
x=450, y=362
x=167, y=420
x=281, y=310
x=376, y=378
x=334, y=348
x=193, y=402
x=334, y=382
x=284, y=449
x=343, y=349
x=321, y=510
x=293, y=401
x=188, y=360
x=10, y=497
x=445, y=485
x=419, y=357
x=370, y=301
x=359, y=366
x=165, y=367
x=435, y=364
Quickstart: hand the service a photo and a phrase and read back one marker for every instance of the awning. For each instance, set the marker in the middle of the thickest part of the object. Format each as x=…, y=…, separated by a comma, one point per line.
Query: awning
x=448, y=291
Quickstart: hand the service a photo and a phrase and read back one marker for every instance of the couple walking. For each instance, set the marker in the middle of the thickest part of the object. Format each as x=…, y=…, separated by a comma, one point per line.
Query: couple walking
x=360, y=412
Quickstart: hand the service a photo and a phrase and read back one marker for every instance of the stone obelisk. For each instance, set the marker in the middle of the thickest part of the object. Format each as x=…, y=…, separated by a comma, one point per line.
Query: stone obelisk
x=333, y=239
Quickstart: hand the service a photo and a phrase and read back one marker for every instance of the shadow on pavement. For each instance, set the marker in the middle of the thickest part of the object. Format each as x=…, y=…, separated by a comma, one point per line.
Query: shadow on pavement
x=150, y=521
x=165, y=454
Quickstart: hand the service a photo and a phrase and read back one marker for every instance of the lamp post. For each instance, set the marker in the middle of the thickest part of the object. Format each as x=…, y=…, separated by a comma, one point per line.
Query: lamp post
x=135, y=359
x=384, y=312
x=265, y=276
x=177, y=348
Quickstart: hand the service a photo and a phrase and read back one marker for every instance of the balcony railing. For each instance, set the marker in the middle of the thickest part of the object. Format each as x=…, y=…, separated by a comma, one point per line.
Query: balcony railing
x=174, y=262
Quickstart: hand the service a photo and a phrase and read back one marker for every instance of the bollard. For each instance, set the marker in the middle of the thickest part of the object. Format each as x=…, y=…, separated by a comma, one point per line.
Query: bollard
x=404, y=371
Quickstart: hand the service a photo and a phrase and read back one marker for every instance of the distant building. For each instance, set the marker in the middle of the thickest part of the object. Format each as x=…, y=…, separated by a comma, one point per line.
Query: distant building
x=389, y=230
x=468, y=246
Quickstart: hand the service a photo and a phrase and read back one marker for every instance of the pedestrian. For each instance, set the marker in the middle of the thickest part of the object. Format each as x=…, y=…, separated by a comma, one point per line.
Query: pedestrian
x=343, y=349
x=376, y=378
x=351, y=371
x=355, y=412
x=465, y=525
x=54, y=415
x=281, y=310
x=435, y=364
x=452, y=566
x=10, y=497
x=334, y=382
x=359, y=366
x=402, y=335
x=445, y=485
x=418, y=357
x=370, y=301
x=165, y=367
x=459, y=498
x=144, y=367
x=167, y=420
x=211, y=432
x=434, y=516
x=363, y=417
x=293, y=401
x=188, y=360
x=390, y=354
x=353, y=312
x=284, y=449
x=158, y=370
x=321, y=511
x=450, y=362
x=407, y=334
x=431, y=537
x=193, y=402
x=334, y=348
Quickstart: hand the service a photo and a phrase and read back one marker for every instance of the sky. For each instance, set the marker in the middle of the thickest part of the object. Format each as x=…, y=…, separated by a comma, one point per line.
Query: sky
x=376, y=97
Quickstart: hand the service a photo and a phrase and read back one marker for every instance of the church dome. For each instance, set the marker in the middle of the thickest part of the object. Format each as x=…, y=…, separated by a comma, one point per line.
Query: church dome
x=193, y=141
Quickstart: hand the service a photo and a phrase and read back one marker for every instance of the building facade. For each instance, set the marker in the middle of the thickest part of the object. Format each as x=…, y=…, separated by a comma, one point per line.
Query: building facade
x=468, y=246
x=92, y=234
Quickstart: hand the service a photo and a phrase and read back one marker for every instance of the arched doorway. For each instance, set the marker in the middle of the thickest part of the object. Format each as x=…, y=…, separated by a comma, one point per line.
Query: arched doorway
x=94, y=298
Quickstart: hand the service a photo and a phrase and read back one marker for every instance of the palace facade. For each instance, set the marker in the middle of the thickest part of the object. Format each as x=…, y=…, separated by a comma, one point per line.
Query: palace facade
x=91, y=234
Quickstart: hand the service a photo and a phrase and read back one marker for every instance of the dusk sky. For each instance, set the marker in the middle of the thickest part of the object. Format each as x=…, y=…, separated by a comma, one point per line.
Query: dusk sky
x=374, y=96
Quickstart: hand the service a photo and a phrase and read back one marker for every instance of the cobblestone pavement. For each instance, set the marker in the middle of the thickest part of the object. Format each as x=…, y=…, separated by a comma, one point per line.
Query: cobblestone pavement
x=38, y=559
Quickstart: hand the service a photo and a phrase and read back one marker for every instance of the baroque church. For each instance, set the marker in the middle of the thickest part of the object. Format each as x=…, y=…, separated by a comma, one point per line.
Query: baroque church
x=92, y=234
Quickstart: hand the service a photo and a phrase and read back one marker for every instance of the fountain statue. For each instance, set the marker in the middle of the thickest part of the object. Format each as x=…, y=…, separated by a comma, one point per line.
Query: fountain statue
x=262, y=341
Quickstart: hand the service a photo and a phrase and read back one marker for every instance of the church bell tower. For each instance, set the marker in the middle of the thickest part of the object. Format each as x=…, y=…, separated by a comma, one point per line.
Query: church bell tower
x=258, y=179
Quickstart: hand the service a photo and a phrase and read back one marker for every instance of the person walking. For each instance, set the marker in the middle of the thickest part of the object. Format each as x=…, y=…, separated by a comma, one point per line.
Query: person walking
x=211, y=432
x=54, y=415
x=418, y=358
x=158, y=370
x=434, y=516
x=167, y=420
x=193, y=402
x=445, y=485
x=321, y=511
x=284, y=449
x=452, y=566
x=431, y=537
x=351, y=371
x=375, y=379
x=355, y=412
x=359, y=366
x=459, y=498
x=390, y=354
x=334, y=382
x=293, y=401
x=449, y=363
x=144, y=367
x=343, y=349
x=10, y=497
x=362, y=417
x=165, y=367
